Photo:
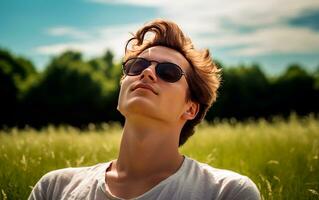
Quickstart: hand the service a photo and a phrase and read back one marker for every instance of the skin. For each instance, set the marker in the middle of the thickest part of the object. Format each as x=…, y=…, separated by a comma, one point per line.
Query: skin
x=154, y=119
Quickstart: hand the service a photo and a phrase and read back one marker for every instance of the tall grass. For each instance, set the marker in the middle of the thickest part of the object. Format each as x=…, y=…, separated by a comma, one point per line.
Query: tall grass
x=281, y=157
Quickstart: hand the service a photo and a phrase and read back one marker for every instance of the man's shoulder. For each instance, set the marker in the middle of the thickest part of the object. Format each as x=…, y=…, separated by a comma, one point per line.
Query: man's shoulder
x=220, y=174
x=227, y=182
x=52, y=184
x=66, y=174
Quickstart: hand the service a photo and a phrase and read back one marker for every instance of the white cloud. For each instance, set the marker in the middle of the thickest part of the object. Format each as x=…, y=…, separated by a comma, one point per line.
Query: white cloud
x=210, y=23
x=132, y=2
x=68, y=31
x=216, y=24
x=280, y=40
x=101, y=38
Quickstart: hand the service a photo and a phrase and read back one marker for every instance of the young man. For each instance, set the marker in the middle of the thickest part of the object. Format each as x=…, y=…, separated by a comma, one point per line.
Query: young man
x=166, y=90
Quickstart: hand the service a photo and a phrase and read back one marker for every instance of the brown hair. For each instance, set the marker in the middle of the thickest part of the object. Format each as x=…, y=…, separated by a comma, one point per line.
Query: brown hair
x=204, y=78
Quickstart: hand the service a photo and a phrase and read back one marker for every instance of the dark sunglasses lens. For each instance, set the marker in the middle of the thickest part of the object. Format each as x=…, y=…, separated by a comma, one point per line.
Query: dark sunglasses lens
x=169, y=72
x=135, y=66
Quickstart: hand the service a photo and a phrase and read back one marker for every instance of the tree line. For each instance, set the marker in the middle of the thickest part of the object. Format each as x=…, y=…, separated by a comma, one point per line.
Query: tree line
x=71, y=90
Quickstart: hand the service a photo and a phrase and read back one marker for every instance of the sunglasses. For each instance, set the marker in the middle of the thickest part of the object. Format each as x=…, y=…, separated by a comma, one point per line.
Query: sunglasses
x=166, y=71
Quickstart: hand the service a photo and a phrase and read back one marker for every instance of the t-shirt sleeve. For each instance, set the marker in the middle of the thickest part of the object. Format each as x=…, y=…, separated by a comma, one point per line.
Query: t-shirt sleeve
x=51, y=185
x=244, y=188
x=40, y=190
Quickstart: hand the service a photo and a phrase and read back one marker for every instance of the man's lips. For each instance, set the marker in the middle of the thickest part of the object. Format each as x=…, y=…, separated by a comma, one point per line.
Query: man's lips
x=145, y=86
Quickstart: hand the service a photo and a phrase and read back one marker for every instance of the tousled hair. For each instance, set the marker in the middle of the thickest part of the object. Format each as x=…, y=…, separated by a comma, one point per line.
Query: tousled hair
x=204, y=77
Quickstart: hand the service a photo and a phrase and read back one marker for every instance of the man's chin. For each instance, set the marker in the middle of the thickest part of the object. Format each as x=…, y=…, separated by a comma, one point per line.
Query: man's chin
x=138, y=105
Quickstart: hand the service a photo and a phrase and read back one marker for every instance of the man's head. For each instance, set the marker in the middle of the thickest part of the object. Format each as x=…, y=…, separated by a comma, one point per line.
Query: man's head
x=198, y=87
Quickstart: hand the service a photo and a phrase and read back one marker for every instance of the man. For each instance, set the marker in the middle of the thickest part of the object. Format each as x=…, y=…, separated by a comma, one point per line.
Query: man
x=166, y=90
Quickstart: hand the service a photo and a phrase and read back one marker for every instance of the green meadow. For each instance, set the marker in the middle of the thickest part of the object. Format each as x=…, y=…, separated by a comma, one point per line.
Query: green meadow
x=281, y=156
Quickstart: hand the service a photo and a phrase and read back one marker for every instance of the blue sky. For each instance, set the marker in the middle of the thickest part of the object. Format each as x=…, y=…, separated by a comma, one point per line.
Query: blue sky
x=273, y=33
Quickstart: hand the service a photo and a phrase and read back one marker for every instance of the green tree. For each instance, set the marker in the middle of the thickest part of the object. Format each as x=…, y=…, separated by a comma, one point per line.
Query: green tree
x=242, y=93
x=106, y=65
x=16, y=75
x=294, y=91
x=71, y=91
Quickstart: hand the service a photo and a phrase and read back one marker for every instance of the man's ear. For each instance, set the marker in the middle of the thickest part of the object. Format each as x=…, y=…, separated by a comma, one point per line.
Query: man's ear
x=191, y=111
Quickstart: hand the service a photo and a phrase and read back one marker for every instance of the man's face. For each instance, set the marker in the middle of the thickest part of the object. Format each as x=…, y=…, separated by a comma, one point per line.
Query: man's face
x=161, y=100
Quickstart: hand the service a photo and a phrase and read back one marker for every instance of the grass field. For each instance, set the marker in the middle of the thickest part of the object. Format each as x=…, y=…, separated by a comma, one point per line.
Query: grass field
x=281, y=157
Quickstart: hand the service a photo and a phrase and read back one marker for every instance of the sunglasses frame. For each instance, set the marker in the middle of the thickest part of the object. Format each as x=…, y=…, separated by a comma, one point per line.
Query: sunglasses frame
x=157, y=64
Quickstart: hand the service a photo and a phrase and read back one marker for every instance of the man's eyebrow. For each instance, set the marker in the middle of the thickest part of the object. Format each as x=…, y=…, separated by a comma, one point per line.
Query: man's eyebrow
x=161, y=61
x=148, y=57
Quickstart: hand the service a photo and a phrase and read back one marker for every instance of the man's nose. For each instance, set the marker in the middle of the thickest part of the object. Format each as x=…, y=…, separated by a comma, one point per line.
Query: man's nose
x=149, y=73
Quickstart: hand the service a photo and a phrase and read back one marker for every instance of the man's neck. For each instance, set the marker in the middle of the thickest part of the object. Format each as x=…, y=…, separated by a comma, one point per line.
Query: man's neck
x=148, y=149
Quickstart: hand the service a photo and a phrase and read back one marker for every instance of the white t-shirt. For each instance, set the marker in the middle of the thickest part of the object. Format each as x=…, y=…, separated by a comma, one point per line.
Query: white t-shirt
x=193, y=180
